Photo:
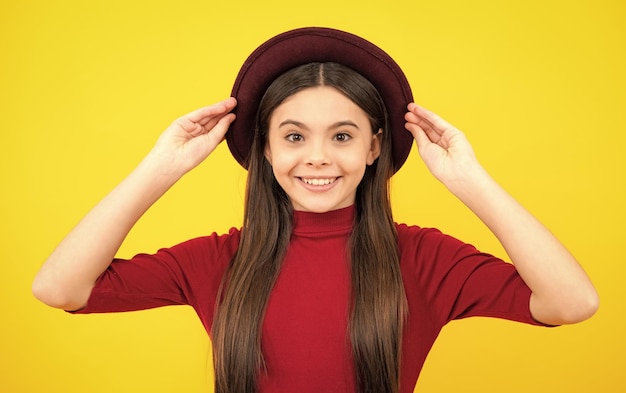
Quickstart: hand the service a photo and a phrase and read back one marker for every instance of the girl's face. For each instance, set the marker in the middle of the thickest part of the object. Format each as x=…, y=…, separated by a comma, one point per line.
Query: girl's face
x=319, y=145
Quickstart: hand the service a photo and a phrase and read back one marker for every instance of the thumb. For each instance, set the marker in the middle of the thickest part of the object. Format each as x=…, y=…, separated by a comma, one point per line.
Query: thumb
x=217, y=133
x=421, y=139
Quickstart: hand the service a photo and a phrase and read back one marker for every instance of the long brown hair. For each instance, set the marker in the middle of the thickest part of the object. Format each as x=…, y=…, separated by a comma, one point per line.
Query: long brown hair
x=378, y=302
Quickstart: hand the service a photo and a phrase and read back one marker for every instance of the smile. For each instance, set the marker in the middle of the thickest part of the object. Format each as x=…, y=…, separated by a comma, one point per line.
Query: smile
x=318, y=182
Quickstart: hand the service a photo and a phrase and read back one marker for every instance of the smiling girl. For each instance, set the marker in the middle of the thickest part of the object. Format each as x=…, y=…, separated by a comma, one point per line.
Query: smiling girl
x=320, y=290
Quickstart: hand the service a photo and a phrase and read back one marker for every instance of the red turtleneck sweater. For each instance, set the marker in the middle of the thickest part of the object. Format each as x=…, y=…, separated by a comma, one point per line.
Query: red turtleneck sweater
x=304, y=334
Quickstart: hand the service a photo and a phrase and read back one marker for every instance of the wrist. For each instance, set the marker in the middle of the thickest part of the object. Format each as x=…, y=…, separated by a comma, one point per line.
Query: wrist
x=471, y=181
x=160, y=166
x=157, y=173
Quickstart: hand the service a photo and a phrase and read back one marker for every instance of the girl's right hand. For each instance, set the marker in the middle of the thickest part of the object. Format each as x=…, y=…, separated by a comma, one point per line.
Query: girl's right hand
x=193, y=137
x=70, y=272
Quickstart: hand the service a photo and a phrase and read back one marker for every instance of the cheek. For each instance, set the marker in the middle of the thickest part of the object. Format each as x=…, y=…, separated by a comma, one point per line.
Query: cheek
x=281, y=163
x=355, y=166
x=354, y=163
x=360, y=157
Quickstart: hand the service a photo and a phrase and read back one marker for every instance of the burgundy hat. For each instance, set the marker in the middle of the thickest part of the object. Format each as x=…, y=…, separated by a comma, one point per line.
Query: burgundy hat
x=316, y=44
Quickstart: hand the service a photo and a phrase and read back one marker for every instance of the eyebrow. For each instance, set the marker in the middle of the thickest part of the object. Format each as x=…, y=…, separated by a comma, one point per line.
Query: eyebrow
x=334, y=125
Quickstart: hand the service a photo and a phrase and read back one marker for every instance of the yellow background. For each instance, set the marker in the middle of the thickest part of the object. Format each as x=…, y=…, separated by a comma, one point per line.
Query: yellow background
x=87, y=86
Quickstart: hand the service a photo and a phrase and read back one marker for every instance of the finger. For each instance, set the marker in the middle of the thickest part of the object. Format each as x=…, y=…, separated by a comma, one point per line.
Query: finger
x=429, y=117
x=202, y=120
x=210, y=115
x=422, y=140
x=414, y=129
x=414, y=116
x=214, y=117
x=217, y=133
x=205, y=114
x=433, y=134
x=420, y=135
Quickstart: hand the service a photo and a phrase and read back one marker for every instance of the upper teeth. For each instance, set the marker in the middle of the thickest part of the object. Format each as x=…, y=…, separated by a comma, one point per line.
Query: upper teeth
x=318, y=182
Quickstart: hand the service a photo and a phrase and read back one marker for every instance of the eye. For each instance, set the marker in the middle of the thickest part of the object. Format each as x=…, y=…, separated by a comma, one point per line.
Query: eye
x=294, y=137
x=343, y=137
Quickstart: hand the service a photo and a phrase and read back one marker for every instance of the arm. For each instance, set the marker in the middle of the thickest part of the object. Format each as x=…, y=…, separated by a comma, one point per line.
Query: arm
x=67, y=277
x=561, y=291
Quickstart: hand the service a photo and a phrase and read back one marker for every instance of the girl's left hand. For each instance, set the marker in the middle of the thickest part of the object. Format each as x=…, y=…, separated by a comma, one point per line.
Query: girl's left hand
x=561, y=290
x=444, y=149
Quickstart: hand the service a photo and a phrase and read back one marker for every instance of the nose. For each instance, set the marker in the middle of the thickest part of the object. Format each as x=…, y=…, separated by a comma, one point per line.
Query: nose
x=317, y=154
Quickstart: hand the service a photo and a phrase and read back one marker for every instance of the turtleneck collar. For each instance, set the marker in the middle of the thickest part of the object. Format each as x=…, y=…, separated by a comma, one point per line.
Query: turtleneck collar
x=307, y=223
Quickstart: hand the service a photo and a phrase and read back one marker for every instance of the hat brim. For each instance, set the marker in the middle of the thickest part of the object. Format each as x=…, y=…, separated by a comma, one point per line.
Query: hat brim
x=317, y=44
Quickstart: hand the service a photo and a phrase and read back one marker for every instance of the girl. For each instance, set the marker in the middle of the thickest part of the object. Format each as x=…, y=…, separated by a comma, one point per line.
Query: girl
x=319, y=291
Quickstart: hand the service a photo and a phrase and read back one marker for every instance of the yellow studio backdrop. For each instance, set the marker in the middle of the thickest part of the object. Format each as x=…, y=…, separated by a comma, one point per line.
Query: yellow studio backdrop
x=87, y=87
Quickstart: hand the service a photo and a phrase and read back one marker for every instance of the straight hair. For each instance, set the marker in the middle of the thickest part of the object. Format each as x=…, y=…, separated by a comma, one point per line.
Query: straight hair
x=378, y=301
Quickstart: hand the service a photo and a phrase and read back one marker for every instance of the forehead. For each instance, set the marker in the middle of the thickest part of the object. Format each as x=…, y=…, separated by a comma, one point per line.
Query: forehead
x=318, y=105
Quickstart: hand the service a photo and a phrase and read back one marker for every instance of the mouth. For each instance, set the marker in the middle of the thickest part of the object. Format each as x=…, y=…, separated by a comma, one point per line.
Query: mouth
x=318, y=181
